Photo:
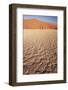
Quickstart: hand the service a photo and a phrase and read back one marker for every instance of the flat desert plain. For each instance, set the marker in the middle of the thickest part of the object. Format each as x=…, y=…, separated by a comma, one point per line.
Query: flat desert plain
x=40, y=51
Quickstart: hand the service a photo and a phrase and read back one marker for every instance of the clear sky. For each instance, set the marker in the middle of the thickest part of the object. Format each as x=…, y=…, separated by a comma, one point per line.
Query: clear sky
x=50, y=19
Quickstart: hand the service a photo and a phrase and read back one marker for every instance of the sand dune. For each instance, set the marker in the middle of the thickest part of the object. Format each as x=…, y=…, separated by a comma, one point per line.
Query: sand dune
x=37, y=24
x=40, y=51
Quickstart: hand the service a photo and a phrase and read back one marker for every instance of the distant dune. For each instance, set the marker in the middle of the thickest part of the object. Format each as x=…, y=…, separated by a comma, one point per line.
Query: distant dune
x=38, y=24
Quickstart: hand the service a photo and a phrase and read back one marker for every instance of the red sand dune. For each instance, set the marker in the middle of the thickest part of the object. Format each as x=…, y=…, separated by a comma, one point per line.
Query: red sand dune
x=37, y=24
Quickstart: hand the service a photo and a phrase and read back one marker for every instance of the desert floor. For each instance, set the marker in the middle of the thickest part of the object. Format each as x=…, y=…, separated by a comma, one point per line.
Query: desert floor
x=40, y=51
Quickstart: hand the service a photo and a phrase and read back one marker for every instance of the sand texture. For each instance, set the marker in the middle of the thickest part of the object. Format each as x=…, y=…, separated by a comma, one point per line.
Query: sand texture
x=40, y=51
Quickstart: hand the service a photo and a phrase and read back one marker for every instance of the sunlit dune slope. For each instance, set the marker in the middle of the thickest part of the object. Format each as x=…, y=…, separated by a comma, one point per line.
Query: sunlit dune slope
x=38, y=24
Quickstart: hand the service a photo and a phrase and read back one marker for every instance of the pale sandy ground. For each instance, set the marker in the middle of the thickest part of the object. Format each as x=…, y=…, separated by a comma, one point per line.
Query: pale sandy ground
x=40, y=51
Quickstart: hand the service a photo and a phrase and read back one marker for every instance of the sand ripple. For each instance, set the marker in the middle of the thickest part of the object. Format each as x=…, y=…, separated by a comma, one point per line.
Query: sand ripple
x=40, y=51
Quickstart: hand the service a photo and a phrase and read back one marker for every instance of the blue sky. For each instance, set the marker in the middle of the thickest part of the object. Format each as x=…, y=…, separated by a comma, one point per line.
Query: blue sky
x=50, y=19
